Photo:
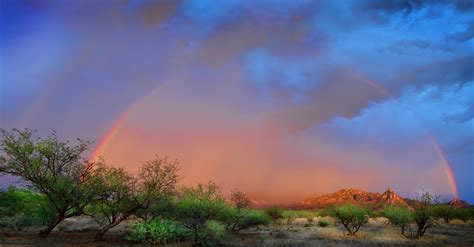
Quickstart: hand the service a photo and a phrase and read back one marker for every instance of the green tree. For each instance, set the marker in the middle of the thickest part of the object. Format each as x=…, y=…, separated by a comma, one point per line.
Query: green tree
x=197, y=206
x=114, y=197
x=50, y=167
x=236, y=219
x=423, y=213
x=399, y=216
x=119, y=194
x=445, y=212
x=275, y=213
x=352, y=217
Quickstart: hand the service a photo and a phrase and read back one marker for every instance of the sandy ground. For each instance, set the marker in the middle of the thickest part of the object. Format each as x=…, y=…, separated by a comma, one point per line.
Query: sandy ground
x=80, y=232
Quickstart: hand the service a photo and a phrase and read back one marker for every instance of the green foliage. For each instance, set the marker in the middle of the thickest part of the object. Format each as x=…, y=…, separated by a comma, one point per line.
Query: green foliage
x=213, y=234
x=463, y=214
x=399, y=216
x=352, y=217
x=198, y=205
x=445, y=212
x=323, y=223
x=21, y=207
x=423, y=213
x=50, y=167
x=237, y=220
x=114, y=189
x=323, y=212
x=275, y=213
x=158, y=231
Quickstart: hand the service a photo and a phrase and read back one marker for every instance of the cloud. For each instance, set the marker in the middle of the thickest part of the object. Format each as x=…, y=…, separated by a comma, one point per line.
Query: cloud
x=447, y=72
x=463, y=36
x=408, y=45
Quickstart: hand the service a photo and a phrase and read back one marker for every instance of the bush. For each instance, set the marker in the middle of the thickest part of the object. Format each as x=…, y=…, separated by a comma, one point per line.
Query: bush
x=289, y=215
x=323, y=223
x=423, y=213
x=275, y=213
x=463, y=214
x=237, y=220
x=352, y=217
x=158, y=232
x=323, y=212
x=399, y=216
x=445, y=212
x=21, y=207
x=214, y=233
x=198, y=205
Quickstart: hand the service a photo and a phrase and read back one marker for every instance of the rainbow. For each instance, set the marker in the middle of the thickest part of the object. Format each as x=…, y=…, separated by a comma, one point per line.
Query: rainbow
x=119, y=122
x=446, y=165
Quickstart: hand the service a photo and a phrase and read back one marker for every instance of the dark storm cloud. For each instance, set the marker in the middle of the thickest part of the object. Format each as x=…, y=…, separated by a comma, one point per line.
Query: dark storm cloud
x=446, y=72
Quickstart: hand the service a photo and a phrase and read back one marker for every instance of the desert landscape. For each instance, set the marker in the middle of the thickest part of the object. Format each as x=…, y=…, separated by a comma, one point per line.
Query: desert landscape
x=236, y=123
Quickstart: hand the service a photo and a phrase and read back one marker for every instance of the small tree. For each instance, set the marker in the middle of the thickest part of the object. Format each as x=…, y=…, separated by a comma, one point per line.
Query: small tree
x=352, y=217
x=237, y=220
x=463, y=214
x=197, y=206
x=114, y=200
x=119, y=194
x=423, y=212
x=275, y=213
x=157, y=181
x=400, y=216
x=50, y=167
x=239, y=199
x=445, y=212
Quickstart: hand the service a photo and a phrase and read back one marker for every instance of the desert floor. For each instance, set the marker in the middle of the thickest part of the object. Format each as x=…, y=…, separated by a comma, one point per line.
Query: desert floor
x=80, y=232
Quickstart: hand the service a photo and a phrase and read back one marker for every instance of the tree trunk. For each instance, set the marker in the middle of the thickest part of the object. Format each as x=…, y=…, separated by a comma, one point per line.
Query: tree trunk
x=100, y=234
x=60, y=217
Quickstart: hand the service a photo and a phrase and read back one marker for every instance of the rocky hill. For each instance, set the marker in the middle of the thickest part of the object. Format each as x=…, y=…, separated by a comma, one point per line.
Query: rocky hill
x=354, y=196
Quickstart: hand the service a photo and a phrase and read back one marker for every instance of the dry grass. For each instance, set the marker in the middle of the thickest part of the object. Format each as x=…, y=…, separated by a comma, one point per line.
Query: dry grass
x=79, y=232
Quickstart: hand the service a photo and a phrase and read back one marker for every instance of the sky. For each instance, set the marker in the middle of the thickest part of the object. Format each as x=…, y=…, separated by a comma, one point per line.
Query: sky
x=282, y=99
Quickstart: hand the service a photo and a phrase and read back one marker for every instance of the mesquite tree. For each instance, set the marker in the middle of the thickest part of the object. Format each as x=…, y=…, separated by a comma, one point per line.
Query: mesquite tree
x=352, y=217
x=51, y=167
x=119, y=194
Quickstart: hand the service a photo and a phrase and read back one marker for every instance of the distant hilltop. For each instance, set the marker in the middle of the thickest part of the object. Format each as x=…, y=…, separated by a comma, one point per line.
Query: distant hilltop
x=360, y=197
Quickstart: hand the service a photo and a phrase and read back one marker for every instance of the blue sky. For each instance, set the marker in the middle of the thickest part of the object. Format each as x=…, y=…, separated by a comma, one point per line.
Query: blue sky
x=371, y=79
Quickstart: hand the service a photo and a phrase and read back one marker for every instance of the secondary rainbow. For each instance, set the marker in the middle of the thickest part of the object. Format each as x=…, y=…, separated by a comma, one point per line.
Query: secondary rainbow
x=119, y=122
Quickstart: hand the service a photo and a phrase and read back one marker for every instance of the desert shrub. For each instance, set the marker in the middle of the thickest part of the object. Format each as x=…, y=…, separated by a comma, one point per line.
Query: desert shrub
x=163, y=208
x=289, y=216
x=213, y=234
x=275, y=213
x=157, y=232
x=310, y=219
x=323, y=212
x=352, y=217
x=463, y=214
x=323, y=223
x=423, y=213
x=198, y=205
x=21, y=207
x=400, y=216
x=445, y=212
x=239, y=199
x=236, y=220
